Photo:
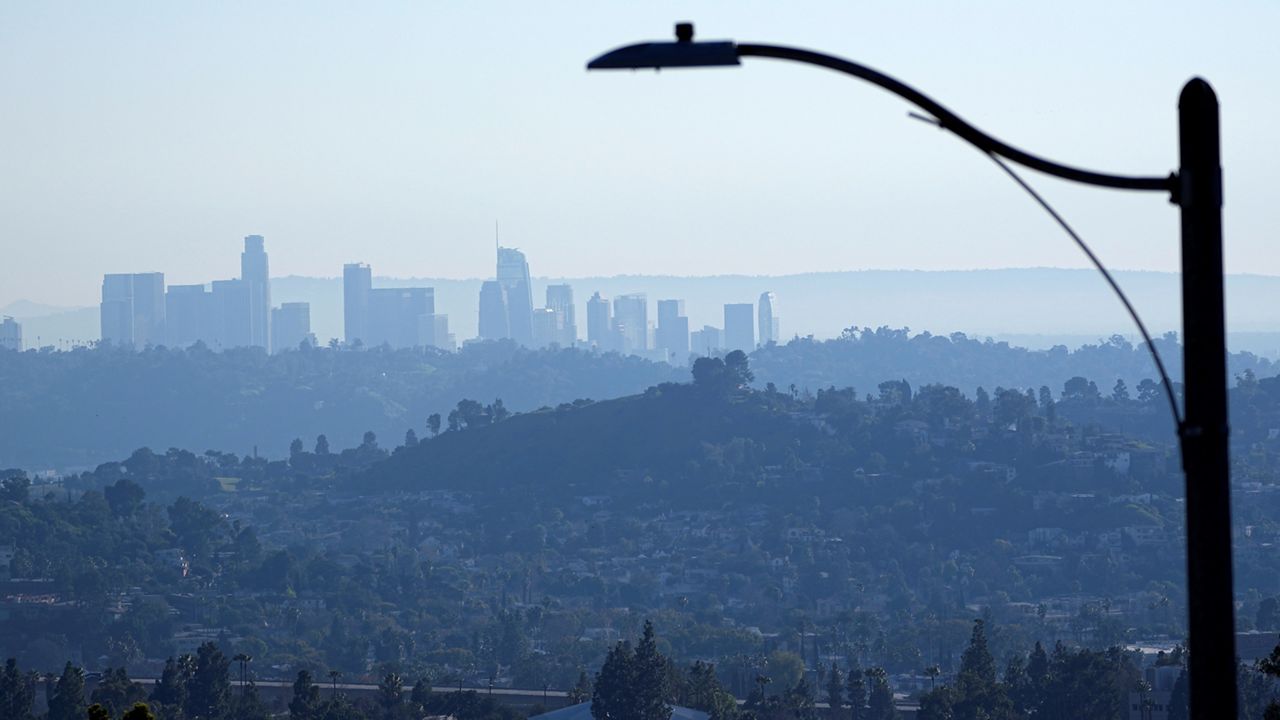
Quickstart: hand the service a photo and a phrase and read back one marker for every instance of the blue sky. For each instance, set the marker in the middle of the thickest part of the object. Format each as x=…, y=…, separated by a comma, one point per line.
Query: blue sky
x=152, y=136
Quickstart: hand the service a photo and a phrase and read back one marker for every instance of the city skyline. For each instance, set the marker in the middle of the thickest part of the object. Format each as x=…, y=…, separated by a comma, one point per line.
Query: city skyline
x=138, y=310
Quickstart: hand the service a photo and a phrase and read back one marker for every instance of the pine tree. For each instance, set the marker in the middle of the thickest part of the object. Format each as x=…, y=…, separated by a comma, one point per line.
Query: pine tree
x=581, y=691
x=835, y=693
x=1021, y=692
x=97, y=712
x=650, y=675
x=611, y=698
x=421, y=694
x=209, y=690
x=66, y=696
x=248, y=705
x=979, y=695
x=306, y=698
x=391, y=694
x=116, y=692
x=856, y=686
x=171, y=690
x=880, y=696
x=800, y=701
x=17, y=692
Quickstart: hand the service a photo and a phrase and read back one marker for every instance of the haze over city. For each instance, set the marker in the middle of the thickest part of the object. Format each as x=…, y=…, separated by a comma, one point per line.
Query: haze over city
x=516, y=361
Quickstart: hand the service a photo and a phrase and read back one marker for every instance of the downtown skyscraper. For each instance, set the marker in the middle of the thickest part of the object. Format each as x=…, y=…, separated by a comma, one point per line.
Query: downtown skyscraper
x=560, y=302
x=767, y=318
x=132, y=311
x=513, y=275
x=255, y=275
x=357, y=282
x=672, y=334
x=739, y=327
x=600, y=322
x=403, y=317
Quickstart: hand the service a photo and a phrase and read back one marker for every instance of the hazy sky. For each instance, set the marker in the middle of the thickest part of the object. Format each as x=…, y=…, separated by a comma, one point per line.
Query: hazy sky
x=153, y=136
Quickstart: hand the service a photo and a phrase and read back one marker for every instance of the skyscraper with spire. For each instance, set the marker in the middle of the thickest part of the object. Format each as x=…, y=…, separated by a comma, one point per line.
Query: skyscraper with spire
x=513, y=275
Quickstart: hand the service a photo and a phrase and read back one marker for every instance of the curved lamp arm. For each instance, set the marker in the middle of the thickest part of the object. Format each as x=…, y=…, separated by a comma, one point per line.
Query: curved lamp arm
x=950, y=121
x=687, y=53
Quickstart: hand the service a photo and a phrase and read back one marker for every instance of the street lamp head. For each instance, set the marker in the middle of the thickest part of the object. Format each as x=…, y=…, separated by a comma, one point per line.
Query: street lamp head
x=684, y=52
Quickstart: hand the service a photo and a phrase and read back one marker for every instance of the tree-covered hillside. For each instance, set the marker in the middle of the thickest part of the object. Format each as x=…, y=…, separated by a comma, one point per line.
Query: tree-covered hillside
x=84, y=407
x=863, y=357
x=80, y=408
x=749, y=524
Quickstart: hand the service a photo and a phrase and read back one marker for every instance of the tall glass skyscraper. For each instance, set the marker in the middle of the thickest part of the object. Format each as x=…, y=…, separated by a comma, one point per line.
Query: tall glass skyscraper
x=132, y=309
x=560, y=301
x=257, y=280
x=739, y=327
x=357, y=282
x=513, y=274
x=599, y=322
x=631, y=321
x=767, y=315
x=494, y=320
x=672, y=334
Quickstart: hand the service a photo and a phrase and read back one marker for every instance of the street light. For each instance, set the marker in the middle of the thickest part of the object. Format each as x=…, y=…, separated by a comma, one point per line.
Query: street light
x=1202, y=429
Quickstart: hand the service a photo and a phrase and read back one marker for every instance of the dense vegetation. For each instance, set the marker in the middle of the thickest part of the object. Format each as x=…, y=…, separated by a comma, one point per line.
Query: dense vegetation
x=80, y=408
x=84, y=407
x=864, y=357
x=641, y=683
x=760, y=529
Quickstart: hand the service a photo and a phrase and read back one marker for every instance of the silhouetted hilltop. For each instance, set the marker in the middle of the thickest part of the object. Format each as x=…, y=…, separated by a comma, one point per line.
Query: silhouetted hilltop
x=591, y=447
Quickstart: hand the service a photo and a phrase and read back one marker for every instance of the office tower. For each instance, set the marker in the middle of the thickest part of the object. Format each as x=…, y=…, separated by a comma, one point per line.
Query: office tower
x=767, y=316
x=673, y=329
x=189, y=315
x=434, y=330
x=10, y=335
x=560, y=300
x=739, y=327
x=395, y=316
x=290, y=326
x=705, y=341
x=513, y=274
x=631, y=322
x=599, y=322
x=231, y=309
x=357, y=281
x=545, y=329
x=132, y=309
x=115, y=312
x=494, y=320
x=257, y=281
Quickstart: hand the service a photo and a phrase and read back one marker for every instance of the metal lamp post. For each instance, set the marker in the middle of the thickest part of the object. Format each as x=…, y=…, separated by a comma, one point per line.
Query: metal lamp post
x=1197, y=189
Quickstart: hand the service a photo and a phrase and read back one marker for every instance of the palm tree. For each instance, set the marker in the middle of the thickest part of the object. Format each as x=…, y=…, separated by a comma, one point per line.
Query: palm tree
x=244, y=661
x=333, y=678
x=933, y=671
